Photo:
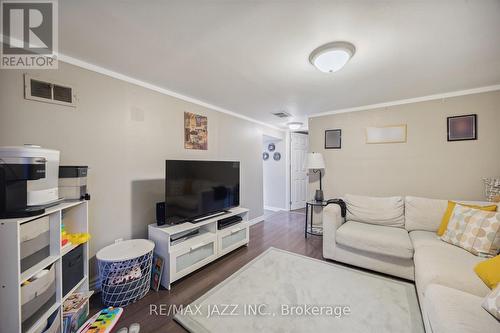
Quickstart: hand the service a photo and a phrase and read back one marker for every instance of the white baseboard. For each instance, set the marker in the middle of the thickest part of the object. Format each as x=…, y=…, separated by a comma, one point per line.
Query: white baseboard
x=256, y=220
x=274, y=209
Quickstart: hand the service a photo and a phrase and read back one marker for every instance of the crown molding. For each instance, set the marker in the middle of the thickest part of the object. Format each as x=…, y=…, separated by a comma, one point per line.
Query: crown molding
x=150, y=86
x=410, y=100
x=101, y=70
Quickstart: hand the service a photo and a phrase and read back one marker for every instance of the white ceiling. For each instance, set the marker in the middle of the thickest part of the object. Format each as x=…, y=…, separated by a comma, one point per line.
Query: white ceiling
x=251, y=57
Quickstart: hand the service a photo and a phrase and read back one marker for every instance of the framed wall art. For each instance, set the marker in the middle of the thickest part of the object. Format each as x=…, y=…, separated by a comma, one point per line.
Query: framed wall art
x=386, y=134
x=333, y=139
x=461, y=128
x=195, y=131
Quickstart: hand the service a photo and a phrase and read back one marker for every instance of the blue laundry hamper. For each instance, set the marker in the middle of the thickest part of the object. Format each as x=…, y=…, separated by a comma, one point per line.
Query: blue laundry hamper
x=125, y=271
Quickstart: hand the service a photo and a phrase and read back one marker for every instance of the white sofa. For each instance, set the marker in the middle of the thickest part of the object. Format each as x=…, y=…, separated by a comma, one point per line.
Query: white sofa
x=397, y=236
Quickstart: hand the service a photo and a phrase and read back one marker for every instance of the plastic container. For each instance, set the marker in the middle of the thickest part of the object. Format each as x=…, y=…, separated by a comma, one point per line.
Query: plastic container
x=38, y=296
x=35, y=242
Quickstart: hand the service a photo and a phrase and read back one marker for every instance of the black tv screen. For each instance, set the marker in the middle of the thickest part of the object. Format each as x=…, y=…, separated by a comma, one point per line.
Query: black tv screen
x=194, y=189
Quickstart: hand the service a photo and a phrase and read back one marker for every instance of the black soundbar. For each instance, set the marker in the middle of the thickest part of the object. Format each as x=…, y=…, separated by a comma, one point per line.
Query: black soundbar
x=228, y=221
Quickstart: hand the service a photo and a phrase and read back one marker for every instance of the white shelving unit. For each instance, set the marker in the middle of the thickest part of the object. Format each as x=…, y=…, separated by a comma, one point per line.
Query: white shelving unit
x=74, y=215
x=209, y=244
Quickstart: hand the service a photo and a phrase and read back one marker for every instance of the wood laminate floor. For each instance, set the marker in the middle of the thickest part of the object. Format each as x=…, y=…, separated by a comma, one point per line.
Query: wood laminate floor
x=283, y=230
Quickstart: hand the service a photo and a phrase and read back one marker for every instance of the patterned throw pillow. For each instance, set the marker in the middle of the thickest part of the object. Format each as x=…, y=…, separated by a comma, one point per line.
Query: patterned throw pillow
x=474, y=230
x=491, y=302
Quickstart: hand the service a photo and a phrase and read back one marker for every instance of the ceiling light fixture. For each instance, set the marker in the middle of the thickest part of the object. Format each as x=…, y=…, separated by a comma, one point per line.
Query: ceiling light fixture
x=332, y=57
x=294, y=125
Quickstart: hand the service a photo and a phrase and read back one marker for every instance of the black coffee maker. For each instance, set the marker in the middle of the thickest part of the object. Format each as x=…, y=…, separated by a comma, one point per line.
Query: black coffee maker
x=14, y=176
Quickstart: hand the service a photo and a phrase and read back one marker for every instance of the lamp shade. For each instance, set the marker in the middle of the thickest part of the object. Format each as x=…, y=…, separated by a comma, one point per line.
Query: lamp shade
x=315, y=161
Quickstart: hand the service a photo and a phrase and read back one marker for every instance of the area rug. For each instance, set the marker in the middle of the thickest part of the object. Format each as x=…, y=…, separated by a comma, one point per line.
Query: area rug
x=280, y=292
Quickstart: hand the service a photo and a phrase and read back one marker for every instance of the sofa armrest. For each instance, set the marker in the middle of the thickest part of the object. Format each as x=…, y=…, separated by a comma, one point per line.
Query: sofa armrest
x=332, y=220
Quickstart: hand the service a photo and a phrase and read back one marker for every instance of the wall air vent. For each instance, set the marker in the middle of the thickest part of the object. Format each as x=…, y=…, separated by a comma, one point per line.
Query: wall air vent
x=36, y=89
x=282, y=114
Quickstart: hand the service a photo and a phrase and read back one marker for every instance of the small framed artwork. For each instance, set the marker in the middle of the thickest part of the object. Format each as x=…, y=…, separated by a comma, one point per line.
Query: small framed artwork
x=462, y=128
x=333, y=139
x=386, y=134
x=195, y=131
x=156, y=272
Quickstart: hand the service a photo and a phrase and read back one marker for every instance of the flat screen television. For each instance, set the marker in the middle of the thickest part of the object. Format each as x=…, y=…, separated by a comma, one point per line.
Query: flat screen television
x=196, y=189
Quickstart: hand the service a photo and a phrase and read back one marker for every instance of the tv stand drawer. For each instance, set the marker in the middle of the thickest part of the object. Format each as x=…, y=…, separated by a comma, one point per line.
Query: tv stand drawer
x=232, y=237
x=189, y=259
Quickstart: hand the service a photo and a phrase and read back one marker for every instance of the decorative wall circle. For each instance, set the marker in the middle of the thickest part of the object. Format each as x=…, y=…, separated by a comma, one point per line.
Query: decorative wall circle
x=271, y=147
x=277, y=156
x=265, y=156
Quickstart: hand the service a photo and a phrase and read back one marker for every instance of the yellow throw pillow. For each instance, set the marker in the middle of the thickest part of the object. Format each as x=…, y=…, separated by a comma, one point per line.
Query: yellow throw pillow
x=489, y=271
x=449, y=210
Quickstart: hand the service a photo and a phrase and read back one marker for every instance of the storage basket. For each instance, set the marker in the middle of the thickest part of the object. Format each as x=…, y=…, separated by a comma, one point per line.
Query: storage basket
x=125, y=271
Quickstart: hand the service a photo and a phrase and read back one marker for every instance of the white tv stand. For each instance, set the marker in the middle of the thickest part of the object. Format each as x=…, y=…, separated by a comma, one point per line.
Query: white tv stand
x=184, y=257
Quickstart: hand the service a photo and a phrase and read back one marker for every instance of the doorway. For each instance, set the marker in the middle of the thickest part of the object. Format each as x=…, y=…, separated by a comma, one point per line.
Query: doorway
x=274, y=174
x=299, y=145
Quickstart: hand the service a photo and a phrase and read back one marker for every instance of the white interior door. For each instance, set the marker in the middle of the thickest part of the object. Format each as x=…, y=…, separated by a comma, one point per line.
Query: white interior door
x=298, y=174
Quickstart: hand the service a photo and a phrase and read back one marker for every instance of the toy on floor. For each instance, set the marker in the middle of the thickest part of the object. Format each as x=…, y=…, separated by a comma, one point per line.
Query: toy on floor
x=102, y=322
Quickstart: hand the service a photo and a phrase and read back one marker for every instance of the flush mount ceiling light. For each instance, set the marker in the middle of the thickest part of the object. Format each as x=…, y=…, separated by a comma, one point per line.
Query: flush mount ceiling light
x=294, y=125
x=332, y=57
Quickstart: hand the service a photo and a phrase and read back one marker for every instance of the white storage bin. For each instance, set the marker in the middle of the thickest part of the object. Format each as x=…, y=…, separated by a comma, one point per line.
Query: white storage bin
x=34, y=237
x=54, y=323
x=51, y=325
x=37, y=297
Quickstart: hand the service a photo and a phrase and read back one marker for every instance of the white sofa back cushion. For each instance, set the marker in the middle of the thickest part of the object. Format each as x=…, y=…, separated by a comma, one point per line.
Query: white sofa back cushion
x=388, y=211
x=424, y=213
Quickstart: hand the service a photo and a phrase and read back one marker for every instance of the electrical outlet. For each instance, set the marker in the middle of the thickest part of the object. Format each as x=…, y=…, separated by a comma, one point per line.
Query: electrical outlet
x=118, y=240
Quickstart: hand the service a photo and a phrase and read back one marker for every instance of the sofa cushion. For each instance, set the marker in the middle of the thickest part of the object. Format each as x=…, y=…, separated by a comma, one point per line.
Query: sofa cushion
x=489, y=271
x=447, y=265
x=423, y=213
x=425, y=238
x=451, y=310
x=491, y=303
x=474, y=230
x=449, y=212
x=383, y=240
x=387, y=211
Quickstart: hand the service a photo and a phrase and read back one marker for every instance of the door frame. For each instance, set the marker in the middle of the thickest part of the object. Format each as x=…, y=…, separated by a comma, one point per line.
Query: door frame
x=289, y=168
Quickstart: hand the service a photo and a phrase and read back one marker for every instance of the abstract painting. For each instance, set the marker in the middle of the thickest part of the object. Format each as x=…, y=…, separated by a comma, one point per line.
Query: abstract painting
x=462, y=128
x=195, y=131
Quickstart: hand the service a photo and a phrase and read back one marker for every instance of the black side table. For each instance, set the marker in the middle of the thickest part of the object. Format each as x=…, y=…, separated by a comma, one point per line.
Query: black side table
x=309, y=206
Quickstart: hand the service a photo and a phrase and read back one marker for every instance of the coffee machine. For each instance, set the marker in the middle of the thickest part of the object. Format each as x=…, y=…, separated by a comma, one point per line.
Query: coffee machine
x=28, y=180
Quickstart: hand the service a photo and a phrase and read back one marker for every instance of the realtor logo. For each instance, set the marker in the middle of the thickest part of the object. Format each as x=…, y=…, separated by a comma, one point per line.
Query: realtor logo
x=29, y=34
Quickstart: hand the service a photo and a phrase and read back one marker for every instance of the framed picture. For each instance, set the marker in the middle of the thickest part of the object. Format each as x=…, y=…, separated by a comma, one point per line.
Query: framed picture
x=333, y=139
x=462, y=128
x=157, y=269
x=195, y=131
x=386, y=134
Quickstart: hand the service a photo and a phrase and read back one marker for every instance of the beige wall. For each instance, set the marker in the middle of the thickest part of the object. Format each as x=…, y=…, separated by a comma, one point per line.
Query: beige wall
x=125, y=133
x=427, y=165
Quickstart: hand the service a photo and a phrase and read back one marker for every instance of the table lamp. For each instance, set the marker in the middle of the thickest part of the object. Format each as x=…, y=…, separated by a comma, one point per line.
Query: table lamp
x=316, y=163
